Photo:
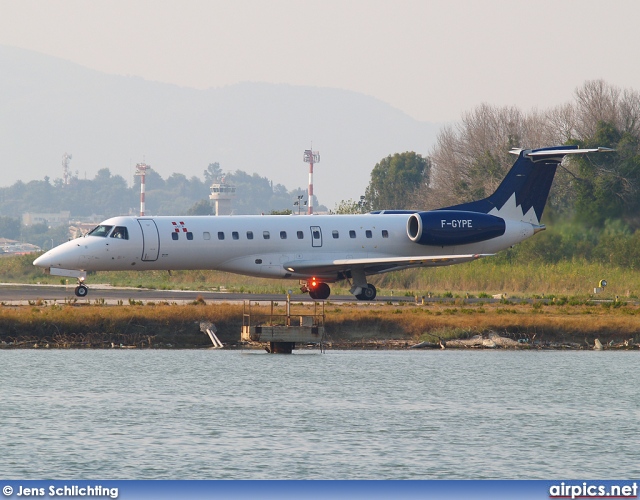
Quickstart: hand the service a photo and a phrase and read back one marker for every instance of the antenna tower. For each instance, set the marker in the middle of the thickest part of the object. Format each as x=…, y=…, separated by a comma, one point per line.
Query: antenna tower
x=66, y=175
x=141, y=170
x=311, y=157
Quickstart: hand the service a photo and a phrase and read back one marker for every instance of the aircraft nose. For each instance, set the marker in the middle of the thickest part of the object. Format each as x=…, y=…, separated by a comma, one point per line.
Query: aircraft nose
x=43, y=261
x=62, y=256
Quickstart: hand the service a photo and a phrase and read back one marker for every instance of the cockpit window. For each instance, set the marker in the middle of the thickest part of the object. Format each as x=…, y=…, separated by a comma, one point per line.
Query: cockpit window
x=120, y=232
x=100, y=231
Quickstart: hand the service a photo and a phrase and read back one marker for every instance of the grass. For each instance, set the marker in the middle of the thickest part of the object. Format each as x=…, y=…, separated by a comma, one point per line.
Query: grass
x=161, y=325
x=483, y=278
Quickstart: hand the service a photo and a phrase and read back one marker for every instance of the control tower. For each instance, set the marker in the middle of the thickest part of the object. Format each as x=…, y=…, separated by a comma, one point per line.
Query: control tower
x=222, y=194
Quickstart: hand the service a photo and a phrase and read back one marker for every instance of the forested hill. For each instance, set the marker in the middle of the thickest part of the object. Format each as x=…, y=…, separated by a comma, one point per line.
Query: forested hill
x=50, y=106
x=108, y=195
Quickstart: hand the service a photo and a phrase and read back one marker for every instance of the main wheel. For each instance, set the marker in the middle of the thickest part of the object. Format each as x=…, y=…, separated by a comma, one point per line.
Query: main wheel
x=321, y=292
x=82, y=290
x=368, y=293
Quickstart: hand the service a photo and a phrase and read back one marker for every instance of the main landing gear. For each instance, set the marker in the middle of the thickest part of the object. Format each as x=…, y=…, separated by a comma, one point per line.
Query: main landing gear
x=81, y=290
x=317, y=289
x=368, y=293
x=321, y=291
x=359, y=286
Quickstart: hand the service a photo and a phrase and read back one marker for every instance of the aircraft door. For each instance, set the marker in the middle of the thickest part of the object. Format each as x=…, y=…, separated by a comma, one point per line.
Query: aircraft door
x=150, y=239
x=316, y=236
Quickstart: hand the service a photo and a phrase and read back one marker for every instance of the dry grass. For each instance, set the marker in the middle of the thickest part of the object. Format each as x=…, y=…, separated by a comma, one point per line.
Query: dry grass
x=178, y=325
x=544, y=321
x=492, y=276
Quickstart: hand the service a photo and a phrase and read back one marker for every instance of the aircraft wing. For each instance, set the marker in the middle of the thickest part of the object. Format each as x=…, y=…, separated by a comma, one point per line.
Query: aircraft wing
x=376, y=264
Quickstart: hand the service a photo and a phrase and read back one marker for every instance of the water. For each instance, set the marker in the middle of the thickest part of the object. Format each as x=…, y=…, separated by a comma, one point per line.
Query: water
x=146, y=414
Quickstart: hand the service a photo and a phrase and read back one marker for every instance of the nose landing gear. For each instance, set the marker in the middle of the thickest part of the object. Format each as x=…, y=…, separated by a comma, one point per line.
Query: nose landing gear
x=81, y=290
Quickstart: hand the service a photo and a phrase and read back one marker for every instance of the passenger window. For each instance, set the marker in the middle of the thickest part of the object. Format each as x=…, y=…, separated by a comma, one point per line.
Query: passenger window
x=283, y=235
x=335, y=234
x=249, y=235
x=174, y=236
x=121, y=233
x=316, y=234
x=300, y=235
x=368, y=233
x=100, y=231
x=385, y=233
x=266, y=235
x=235, y=235
x=206, y=235
x=220, y=235
x=352, y=234
x=189, y=235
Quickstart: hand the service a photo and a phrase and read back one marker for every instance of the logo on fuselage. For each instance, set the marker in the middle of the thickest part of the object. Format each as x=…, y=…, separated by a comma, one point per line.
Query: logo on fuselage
x=178, y=226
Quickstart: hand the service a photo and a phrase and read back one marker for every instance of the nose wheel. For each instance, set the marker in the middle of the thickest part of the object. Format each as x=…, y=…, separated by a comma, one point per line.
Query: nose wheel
x=81, y=290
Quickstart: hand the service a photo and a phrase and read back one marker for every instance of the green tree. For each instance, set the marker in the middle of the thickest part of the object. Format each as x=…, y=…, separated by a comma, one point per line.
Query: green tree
x=203, y=207
x=212, y=174
x=351, y=207
x=9, y=228
x=395, y=178
x=608, y=185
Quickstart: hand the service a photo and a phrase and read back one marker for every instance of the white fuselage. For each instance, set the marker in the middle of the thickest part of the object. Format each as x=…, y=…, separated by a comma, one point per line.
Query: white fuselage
x=263, y=246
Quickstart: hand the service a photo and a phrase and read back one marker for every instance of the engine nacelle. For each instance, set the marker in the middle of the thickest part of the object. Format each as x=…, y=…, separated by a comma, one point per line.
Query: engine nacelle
x=453, y=227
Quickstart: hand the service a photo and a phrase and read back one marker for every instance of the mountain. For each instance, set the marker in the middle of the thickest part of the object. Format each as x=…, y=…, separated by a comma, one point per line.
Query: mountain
x=49, y=106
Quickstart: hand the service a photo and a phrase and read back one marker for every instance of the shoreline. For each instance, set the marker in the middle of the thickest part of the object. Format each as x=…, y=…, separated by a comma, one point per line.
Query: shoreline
x=458, y=325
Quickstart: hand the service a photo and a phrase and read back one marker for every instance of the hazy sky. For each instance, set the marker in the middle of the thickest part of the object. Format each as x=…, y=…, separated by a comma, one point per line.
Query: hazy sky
x=432, y=59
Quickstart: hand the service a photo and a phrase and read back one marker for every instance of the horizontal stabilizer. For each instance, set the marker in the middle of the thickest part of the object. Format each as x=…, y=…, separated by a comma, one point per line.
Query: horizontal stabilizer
x=523, y=193
x=547, y=153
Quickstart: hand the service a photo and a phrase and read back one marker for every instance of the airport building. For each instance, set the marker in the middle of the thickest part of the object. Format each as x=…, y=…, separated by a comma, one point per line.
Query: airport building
x=50, y=219
x=222, y=195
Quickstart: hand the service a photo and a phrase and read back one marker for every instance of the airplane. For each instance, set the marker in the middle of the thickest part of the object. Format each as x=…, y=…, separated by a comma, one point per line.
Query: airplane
x=322, y=249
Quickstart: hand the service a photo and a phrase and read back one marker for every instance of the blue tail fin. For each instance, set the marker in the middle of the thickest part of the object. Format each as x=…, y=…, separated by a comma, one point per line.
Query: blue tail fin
x=523, y=193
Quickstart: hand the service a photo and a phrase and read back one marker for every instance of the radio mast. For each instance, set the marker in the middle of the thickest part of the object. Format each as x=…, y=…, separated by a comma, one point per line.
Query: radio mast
x=311, y=157
x=66, y=175
x=141, y=170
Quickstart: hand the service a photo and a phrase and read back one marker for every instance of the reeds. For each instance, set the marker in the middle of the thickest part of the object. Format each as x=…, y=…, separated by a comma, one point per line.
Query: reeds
x=163, y=325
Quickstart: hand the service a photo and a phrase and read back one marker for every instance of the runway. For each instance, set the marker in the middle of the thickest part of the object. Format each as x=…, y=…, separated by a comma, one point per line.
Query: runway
x=22, y=294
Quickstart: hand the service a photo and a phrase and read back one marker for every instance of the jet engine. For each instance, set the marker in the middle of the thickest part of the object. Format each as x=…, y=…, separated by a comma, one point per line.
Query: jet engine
x=453, y=227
